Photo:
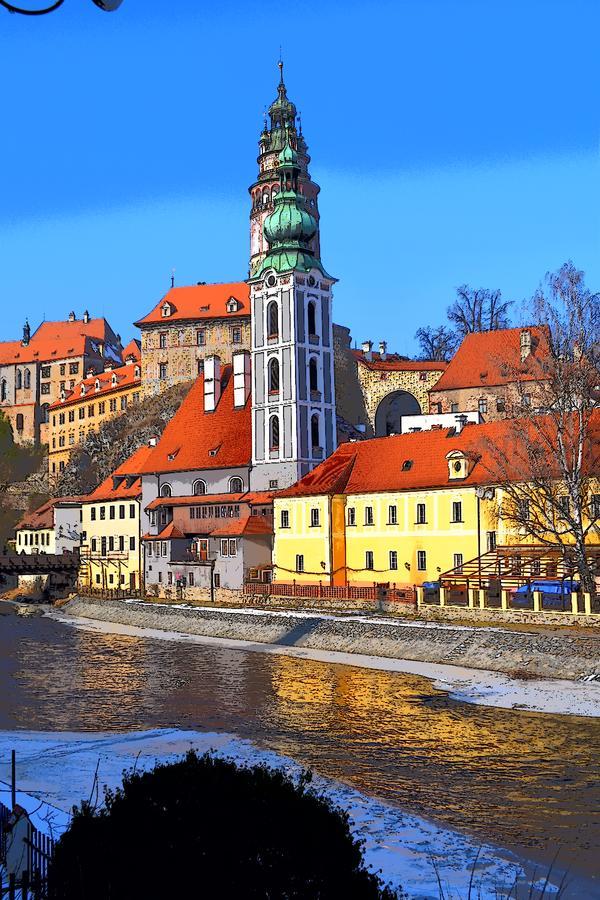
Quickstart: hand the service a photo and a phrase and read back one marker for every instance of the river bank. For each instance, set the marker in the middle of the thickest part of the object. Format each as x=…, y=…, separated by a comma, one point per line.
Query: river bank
x=475, y=665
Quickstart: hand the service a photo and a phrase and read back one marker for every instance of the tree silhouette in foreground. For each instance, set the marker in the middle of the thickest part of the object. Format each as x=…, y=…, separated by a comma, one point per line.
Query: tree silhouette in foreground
x=203, y=827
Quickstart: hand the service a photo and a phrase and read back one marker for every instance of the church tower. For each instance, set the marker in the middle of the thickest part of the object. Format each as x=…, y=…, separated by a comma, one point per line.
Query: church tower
x=293, y=393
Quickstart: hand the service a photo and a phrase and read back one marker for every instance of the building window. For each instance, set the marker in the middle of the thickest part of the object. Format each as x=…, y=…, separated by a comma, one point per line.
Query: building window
x=526, y=399
x=162, y=371
x=421, y=560
x=500, y=405
x=163, y=548
x=61, y=418
x=111, y=512
x=20, y=422
x=564, y=505
x=313, y=375
x=274, y=432
x=217, y=580
x=351, y=515
x=457, y=511
x=312, y=318
x=491, y=540
x=3, y=393
x=123, y=403
x=299, y=562
x=523, y=510
x=63, y=369
x=191, y=579
x=454, y=407
x=392, y=515
x=236, y=334
x=315, y=518
x=160, y=577
x=97, y=579
x=73, y=368
x=91, y=411
x=224, y=547
x=122, y=511
x=82, y=412
x=285, y=518
x=458, y=563
x=369, y=515
x=421, y=514
x=19, y=379
x=132, y=543
x=272, y=320
x=199, y=487
x=273, y=376
x=162, y=340
x=112, y=405
x=102, y=408
x=482, y=405
x=314, y=432
x=45, y=373
x=44, y=389
x=121, y=543
x=595, y=507
x=236, y=485
x=93, y=513
x=369, y=564
x=102, y=513
x=94, y=545
x=132, y=510
x=166, y=490
x=27, y=379
x=169, y=578
x=71, y=415
x=393, y=559
x=201, y=337
x=111, y=544
x=232, y=547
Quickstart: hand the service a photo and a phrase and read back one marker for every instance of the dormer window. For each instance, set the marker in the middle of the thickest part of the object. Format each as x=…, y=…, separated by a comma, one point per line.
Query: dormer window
x=166, y=310
x=137, y=372
x=114, y=380
x=97, y=384
x=458, y=465
x=83, y=390
x=233, y=305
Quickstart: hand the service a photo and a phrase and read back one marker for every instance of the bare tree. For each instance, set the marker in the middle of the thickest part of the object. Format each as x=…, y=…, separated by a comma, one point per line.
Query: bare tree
x=478, y=309
x=549, y=469
x=436, y=344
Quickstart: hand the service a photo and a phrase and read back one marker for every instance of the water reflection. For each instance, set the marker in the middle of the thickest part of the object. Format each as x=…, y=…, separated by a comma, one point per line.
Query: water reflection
x=522, y=779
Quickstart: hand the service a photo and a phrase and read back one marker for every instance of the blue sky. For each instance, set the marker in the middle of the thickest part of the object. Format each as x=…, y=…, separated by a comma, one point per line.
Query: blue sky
x=454, y=141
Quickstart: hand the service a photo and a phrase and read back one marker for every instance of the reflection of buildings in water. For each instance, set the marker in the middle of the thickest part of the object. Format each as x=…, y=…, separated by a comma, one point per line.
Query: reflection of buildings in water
x=114, y=663
x=303, y=693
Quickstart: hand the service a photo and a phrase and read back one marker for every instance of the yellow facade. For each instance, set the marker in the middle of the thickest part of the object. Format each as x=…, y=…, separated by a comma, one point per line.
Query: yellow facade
x=35, y=540
x=110, y=551
x=397, y=537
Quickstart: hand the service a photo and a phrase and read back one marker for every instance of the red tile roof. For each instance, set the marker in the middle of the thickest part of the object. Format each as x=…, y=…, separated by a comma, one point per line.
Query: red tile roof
x=43, y=516
x=195, y=439
x=201, y=301
x=253, y=498
x=244, y=527
x=494, y=358
x=118, y=487
x=125, y=377
x=133, y=350
x=59, y=340
x=395, y=363
x=377, y=465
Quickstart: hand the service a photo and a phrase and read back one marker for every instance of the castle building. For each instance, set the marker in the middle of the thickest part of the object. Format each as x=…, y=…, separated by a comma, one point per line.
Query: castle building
x=100, y=396
x=188, y=325
x=35, y=371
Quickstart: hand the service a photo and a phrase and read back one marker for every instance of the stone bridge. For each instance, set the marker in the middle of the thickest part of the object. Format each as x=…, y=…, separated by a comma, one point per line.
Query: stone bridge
x=59, y=570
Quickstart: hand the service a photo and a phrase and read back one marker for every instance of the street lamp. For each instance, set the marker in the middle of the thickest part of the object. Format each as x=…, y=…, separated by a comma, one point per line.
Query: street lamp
x=106, y=5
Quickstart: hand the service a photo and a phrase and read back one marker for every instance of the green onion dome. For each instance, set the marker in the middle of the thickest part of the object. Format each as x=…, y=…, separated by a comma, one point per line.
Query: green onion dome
x=289, y=223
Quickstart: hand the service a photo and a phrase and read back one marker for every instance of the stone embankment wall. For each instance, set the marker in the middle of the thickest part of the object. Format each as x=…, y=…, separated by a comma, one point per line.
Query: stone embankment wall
x=535, y=654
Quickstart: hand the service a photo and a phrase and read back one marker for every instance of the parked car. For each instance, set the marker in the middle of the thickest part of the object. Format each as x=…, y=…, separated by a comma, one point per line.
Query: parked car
x=556, y=593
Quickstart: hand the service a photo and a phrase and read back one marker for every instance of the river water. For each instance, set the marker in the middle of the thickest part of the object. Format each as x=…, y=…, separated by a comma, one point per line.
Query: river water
x=527, y=781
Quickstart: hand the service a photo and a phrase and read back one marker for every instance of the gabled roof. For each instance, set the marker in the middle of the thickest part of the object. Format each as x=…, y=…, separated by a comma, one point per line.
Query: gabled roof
x=125, y=377
x=195, y=439
x=133, y=350
x=43, y=516
x=418, y=461
x=125, y=482
x=244, y=527
x=395, y=363
x=62, y=340
x=494, y=358
x=200, y=301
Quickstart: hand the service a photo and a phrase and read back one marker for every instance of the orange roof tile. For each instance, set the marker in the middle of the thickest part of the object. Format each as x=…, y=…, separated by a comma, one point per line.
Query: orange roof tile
x=252, y=498
x=119, y=487
x=377, y=465
x=195, y=439
x=395, y=363
x=244, y=527
x=133, y=350
x=43, y=516
x=59, y=340
x=200, y=301
x=125, y=377
x=494, y=358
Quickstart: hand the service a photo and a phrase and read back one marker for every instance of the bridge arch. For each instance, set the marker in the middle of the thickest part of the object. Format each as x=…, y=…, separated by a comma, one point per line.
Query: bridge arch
x=391, y=409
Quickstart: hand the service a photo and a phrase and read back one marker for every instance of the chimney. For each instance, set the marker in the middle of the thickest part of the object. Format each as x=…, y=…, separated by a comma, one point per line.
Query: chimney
x=71, y=316
x=382, y=350
x=461, y=421
x=26, y=334
x=86, y=318
x=108, y=365
x=525, y=344
x=90, y=372
x=152, y=442
x=241, y=378
x=212, y=383
x=367, y=347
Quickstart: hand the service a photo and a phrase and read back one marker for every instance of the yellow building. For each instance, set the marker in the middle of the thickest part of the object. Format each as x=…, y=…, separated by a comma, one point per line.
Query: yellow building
x=53, y=528
x=110, y=523
x=399, y=510
x=97, y=398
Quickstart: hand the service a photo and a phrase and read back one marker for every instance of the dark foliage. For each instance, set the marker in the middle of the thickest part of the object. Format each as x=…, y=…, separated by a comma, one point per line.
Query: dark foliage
x=17, y=462
x=203, y=827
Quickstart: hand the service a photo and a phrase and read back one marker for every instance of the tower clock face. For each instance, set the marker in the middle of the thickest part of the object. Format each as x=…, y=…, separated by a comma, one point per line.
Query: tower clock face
x=271, y=281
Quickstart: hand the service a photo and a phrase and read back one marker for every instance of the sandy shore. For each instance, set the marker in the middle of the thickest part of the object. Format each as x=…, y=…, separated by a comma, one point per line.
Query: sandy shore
x=480, y=686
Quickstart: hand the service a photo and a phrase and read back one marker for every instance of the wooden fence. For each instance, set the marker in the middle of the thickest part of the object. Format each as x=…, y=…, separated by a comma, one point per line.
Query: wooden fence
x=376, y=593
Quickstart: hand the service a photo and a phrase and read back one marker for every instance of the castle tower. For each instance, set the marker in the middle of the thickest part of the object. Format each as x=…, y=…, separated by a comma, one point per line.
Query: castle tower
x=282, y=120
x=293, y=393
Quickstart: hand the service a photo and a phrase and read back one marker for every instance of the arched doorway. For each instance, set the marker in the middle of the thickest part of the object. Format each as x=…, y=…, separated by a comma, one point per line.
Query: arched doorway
x=390, y=411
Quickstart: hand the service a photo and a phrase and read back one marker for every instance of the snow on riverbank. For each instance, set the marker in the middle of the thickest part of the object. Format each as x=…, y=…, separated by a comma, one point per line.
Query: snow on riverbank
x=60, y=769
x=479, y=686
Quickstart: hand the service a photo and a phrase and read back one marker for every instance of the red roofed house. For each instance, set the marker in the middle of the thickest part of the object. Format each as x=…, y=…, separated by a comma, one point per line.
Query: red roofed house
x=102, y=395
x=200, y=521
x=493, y=372
x=35, y=370
x=188, y=324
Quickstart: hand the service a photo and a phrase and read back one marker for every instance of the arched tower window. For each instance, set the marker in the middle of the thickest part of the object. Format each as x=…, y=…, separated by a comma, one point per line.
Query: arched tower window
x=274, y=376
x=265, y=198
x=27, y=379
x=313, y=374
x=3, y=389
x=274, y=432
x=45, y=413
x=272, y=319
x=312, y=317
x=314, y=430
x=19, y=379
x=199, y=487
x=166, y=490
x=236, y=485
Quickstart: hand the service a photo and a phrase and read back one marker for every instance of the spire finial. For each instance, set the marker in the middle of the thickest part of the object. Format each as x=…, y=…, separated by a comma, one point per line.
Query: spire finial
x=172, y=278
x=280, y=64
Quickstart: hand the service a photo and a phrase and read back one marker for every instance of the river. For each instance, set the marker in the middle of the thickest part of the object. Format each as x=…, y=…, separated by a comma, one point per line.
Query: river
x=526, y=781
